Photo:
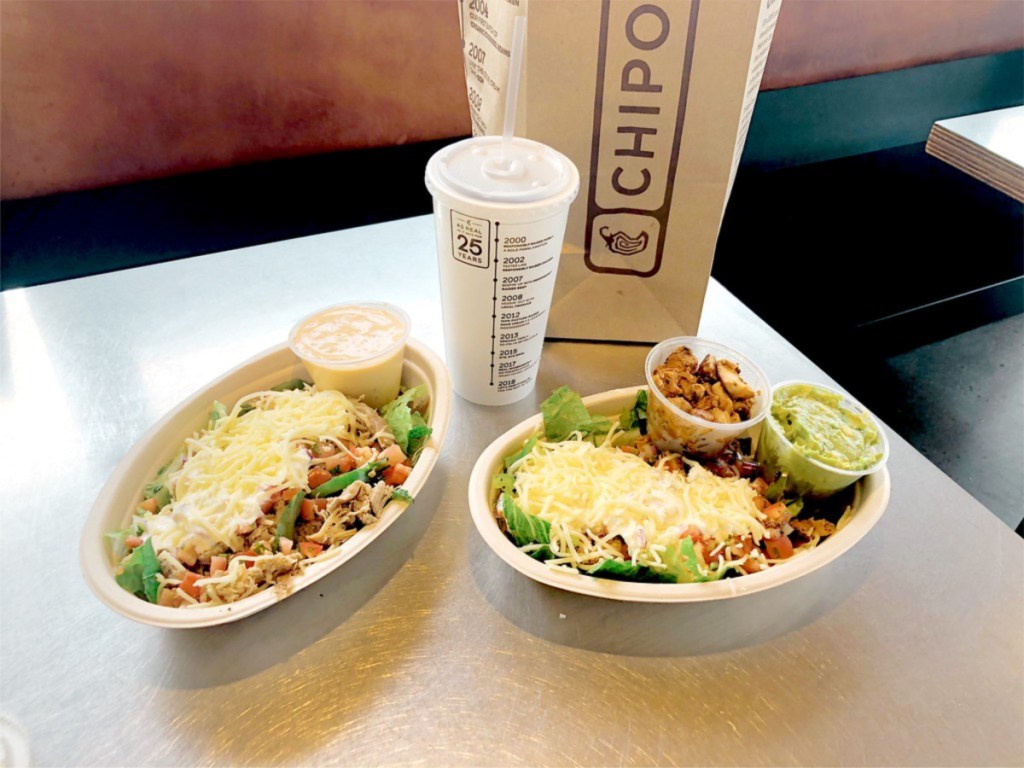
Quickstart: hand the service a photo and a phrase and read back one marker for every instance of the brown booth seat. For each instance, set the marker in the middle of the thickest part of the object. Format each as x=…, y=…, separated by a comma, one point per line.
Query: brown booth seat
x=111, y=91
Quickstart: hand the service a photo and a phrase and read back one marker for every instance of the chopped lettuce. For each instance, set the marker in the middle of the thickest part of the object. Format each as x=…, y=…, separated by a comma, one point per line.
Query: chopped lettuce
x=417, y=436
x=565, y=413
x=626, y=571
x=157, y=488
x=116, y=540
x=503, y=482
x=682, y=563
x=285, y=386
x=138, y=572
x=512, y=458
x=629, y=437
x=636, y=416
x=405, y=422
x=526, y=529
x=774, y=491
x=400, y=494
x=217, y=412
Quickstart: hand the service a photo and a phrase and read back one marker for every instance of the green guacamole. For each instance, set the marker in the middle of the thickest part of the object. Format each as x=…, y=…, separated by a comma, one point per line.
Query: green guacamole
x=824, y=426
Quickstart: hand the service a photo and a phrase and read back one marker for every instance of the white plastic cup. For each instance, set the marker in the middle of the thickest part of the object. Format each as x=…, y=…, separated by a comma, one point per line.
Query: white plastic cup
x=672, y=429
x=807, y=475
x=500, y=212
x=355, y=348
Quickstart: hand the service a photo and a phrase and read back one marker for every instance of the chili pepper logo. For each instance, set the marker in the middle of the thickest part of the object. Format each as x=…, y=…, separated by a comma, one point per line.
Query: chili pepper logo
x=623, y=244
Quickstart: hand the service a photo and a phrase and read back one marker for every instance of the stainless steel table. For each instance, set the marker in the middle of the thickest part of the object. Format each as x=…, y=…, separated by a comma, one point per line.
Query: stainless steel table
x=426, y=648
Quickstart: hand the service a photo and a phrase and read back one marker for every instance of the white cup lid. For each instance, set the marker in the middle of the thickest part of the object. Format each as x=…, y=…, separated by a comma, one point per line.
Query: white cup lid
x=528, y=171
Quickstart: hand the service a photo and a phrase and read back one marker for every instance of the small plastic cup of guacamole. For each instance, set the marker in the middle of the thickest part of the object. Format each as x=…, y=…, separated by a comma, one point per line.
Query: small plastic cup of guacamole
x=823, y=439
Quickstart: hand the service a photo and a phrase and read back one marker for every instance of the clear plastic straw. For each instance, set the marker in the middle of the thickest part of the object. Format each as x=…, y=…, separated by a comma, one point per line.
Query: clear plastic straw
x=515, y=65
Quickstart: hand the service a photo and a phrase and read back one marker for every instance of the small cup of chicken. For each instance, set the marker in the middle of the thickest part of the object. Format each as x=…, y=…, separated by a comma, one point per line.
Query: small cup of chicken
x=703, y=395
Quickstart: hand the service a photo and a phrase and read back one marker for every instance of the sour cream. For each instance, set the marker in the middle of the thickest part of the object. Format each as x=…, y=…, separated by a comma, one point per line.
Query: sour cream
x=355, y=348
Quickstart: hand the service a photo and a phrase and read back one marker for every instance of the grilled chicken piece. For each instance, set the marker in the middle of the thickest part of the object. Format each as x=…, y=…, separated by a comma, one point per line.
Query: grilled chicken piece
x=707, y=369
x=675, y=382
x=368, y=420
x=723, y=416
x=380, y=495
x=813, y=527
x=682, y=404
x=360, y=504
x=721, y=397
x=712, y=390
x=352, y=491
x=682, y=359
x=729, y=375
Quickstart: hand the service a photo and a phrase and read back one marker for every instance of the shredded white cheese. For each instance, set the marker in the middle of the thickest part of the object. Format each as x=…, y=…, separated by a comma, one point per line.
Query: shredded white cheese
x=580, y=488
x=232, y=470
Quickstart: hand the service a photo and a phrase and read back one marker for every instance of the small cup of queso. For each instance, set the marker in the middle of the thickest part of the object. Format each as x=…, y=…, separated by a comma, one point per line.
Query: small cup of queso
x=356, y=348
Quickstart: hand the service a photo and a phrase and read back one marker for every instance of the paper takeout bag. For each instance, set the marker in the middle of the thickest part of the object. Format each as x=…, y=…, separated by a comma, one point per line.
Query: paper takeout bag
x=652, y=101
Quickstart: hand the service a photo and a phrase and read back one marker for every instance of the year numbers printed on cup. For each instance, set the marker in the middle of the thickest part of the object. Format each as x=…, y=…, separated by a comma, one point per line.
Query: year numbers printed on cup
x=471, y=240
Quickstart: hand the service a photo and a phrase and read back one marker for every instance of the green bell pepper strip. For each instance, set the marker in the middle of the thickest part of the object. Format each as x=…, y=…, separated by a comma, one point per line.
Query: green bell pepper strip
x=286, y=520
x=341, y=482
